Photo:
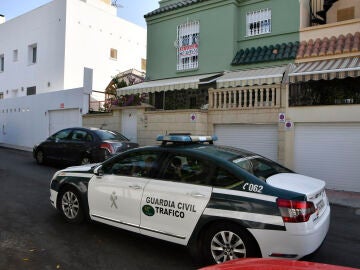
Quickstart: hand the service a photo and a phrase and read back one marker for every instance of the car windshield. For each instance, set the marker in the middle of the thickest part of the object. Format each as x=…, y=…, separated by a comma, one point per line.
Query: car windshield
x=110, y=135
x=260, y=166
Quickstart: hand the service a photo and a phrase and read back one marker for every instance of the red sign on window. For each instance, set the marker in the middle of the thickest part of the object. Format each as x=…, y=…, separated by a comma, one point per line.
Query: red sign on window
x=188, y=51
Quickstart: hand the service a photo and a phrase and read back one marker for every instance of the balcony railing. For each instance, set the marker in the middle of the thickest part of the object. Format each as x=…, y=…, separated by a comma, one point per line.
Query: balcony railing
x=245, y=98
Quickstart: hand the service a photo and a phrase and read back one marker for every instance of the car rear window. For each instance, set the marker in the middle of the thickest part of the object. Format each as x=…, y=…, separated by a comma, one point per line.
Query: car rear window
x=110, y=135
x=259, y=166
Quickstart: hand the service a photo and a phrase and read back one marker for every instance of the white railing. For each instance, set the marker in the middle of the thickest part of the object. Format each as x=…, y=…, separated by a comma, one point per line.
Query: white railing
x=245, y=97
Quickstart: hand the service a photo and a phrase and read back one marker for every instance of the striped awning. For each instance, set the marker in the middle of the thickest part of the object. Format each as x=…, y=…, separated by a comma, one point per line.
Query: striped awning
x=190, y=82
x=325, y=70
x=272, y=75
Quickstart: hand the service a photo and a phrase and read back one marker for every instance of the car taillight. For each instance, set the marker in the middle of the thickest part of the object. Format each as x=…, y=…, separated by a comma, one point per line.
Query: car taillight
x=108, y=147
x=295, y=211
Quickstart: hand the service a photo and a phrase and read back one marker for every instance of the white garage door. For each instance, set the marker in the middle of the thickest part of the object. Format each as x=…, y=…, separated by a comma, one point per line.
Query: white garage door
x=261, y=139
x=330, y=152
x=60, y=119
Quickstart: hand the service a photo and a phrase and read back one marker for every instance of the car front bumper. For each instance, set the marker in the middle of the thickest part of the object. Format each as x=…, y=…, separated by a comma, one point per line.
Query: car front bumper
x=53, y=197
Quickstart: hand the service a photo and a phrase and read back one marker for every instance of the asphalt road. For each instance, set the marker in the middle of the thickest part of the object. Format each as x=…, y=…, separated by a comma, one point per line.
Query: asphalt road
x=34, y=236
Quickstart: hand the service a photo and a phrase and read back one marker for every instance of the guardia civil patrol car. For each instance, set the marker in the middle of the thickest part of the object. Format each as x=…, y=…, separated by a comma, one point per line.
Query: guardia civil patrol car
x=222, y=202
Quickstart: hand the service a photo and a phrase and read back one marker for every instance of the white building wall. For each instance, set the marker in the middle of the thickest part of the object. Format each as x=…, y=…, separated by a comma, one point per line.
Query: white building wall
x=70, y=35
x=24, y=121
x=44, y=26
x=90, y=34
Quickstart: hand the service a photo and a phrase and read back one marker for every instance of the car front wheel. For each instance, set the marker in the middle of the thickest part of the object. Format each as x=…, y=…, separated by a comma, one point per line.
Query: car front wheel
x=70, y=206
x=223, y=242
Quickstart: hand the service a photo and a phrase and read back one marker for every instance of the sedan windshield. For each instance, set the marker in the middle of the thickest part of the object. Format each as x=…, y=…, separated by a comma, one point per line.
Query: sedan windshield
x=260, y=166
x=110, y=135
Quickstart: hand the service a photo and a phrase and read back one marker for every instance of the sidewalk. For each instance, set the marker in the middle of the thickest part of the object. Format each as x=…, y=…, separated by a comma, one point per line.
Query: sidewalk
x=344, y=198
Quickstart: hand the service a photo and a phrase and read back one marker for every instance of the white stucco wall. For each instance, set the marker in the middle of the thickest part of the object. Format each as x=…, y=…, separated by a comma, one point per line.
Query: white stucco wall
x=44, y=26
x=24, y=121
x=70, y=35
x=90, y=34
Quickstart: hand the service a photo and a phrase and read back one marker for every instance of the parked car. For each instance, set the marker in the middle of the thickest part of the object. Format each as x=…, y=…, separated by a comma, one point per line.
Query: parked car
x=81, y=146
x=222, y=202
x=273, y=264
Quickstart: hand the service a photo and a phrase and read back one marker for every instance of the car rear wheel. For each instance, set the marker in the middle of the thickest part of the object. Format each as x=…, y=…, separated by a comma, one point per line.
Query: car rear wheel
x=223, y=242
x=40, y=157
x=70, y=206
x=106, y=154
x=85, y=160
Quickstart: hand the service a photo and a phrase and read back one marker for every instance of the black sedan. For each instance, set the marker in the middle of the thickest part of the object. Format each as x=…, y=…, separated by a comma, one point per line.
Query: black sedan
x=81, y=146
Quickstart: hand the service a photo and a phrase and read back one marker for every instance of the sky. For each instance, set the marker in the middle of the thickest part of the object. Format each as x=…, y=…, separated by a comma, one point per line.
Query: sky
x=131, y=10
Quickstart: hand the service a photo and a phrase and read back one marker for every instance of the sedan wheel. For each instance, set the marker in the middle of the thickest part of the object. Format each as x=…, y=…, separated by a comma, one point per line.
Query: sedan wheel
x=70, y=206
x=226, y=245
x=40, y=157
x=225, y=242
x=85, y=160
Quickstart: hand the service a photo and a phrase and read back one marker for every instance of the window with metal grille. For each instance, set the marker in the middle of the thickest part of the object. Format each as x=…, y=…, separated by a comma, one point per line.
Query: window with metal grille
x=258, y=22
x=187, y=45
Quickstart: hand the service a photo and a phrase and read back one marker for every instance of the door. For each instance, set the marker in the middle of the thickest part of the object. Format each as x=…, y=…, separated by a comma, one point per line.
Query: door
x=115, y=196
x=78, y=146
x=129, y=124
x=330, y=152
x=172, y=206
x=67, y=118
x=261, y=139
x=54, y=146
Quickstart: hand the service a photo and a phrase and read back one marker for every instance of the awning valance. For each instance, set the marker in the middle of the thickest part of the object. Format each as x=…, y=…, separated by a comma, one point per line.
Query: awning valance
x=190, y=82
x=325, y=70
x=272, y=75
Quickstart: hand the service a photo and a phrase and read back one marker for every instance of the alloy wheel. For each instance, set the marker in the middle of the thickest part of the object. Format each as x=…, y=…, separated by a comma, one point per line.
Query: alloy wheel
x=226, y=245
x=70, y=205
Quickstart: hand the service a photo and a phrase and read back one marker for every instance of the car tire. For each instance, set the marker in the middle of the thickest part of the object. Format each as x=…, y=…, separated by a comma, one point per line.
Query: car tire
x=222, y=242
x=107, y=154
x=70, y=205
x=40, y=158
x=85, y=160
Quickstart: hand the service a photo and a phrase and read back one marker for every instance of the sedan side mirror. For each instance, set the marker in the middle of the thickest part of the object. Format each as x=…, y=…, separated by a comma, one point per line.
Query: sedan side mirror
x=99, y=171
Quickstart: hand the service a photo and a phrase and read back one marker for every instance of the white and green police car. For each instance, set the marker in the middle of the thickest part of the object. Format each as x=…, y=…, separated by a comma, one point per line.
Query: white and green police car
x=223, y=202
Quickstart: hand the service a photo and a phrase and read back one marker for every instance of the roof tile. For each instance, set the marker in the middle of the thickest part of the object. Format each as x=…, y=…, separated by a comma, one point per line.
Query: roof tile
x=172, y=7
x=269, y=53
x=326, y=46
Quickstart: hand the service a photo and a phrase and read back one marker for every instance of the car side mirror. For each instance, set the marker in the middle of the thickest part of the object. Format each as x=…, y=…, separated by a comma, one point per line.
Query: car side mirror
x=99, y=171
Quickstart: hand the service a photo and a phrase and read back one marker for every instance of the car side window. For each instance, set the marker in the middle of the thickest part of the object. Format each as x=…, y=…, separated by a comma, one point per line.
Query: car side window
x=61, y=135
x=137, y=164
x=78, y=135
x=187, y=169
x=224, y=179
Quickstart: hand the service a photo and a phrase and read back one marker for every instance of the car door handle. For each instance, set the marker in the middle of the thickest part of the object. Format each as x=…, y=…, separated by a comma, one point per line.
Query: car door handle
x=135, y=187
x=196, y=194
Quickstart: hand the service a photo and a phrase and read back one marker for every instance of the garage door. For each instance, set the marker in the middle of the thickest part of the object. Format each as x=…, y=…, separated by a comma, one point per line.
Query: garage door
x=261, y=139
x=60, y=119
x=329, y=152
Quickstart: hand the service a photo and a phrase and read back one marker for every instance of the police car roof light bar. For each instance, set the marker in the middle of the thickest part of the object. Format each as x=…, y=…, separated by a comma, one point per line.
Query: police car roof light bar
x=185, y=138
